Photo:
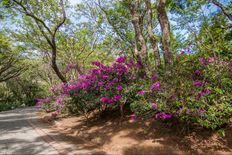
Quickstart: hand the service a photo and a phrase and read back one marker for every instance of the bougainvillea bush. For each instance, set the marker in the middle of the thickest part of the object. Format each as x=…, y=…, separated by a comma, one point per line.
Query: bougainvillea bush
x=196, y=90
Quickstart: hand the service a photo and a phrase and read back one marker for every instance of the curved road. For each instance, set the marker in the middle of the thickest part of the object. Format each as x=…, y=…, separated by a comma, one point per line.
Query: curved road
x=17, y=136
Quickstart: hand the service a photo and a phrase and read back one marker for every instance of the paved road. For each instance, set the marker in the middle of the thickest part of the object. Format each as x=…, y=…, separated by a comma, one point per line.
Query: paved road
x=17, y=135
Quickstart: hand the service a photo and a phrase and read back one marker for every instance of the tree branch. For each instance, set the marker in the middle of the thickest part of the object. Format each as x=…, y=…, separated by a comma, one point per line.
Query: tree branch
x=32, y=15
x=62, y=19
x=223, y=8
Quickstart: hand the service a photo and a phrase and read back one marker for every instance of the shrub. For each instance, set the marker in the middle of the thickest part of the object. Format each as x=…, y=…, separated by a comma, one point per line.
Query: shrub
x=102, y=87
x=195, y=90
x=19, y=92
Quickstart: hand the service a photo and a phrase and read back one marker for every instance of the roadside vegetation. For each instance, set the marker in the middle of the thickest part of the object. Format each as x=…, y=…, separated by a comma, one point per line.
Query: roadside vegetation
x=165, y=60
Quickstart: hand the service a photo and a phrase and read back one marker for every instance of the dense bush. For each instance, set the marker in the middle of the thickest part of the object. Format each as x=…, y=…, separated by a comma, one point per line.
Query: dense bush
x=196, y=90
x=20, y=92
x=102, y=87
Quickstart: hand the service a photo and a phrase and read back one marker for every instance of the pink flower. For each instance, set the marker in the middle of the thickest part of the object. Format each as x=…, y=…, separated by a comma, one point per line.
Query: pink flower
x=163, y=116
x=119, y=88
x=115, y=80
x=198, y=83
x=121, y=59
x=107, y=87
x=203, y=61
x=40, y=102
x=54, y=115
x=155, y=86
x=105, y=100
x=154, y=106
x=139, y=64
x=154, y=77
x=96, y=63
x=131, y=64
x=117, y=98
x=182, y=52
x=210, y=59
x=200, y=111
x=202, y=93
x=197, y=72
x=207, y=91
x=105, y=77
x=100, y=84
x=141, y=92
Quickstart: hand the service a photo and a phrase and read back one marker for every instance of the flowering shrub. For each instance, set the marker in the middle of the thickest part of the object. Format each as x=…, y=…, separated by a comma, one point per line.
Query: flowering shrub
x=197, y=90
x=102, y=87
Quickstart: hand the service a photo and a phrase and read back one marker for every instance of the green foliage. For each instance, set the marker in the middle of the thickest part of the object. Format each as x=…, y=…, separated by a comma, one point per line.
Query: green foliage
x=207, y=104
x=9, y=106
x=197, y=91
x=48, y=107
x=24, y=89
x=82, y=103
x=140, y=107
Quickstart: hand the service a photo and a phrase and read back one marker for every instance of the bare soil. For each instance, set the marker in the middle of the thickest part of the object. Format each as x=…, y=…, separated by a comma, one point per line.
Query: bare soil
x=109, y=135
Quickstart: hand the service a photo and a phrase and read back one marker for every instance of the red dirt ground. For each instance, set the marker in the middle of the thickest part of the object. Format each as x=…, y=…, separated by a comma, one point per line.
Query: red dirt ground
x=109, y=136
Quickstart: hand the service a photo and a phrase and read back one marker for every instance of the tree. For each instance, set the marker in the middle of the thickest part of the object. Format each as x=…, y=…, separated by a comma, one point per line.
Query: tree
x=137, y=19
x=119, y=19
x=152, y=36
x=10, y=64
x=48, y=26
x=226, y=11
x=165, y=28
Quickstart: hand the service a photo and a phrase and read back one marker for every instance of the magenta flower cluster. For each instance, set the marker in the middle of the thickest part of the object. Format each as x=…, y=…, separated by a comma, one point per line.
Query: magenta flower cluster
x=197, y=83
x=108, y=100
x=154, y=106
x=163, y=116
x=156, y=86
x=104, y=80
x=40, y=102
x=206, y=61
x=141, y=92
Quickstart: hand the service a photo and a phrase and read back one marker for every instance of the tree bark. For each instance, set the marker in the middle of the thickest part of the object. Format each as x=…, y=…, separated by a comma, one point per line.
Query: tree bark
x=137, y=21
x=165, y=27
x=152, y=36
x=55, y=67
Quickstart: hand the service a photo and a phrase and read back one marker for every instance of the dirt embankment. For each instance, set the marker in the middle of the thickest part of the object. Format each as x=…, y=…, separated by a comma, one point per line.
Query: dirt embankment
x=109, y=136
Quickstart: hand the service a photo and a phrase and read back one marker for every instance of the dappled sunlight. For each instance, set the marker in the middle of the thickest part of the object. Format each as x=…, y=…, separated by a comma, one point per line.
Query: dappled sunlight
x=113, y=137
x=17, y=135
x=115, y=77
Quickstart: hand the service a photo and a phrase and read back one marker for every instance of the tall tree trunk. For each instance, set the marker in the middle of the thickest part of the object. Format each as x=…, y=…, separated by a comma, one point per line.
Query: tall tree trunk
x=55, y=67
x=137, y=21
x=165, y=27
x=152, y=36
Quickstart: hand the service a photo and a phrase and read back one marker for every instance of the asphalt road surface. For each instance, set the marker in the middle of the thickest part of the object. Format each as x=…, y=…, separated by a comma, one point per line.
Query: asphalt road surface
x=17, y=136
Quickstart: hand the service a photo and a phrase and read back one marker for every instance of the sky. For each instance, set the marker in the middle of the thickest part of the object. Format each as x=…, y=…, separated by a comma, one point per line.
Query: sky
x=74, y=1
